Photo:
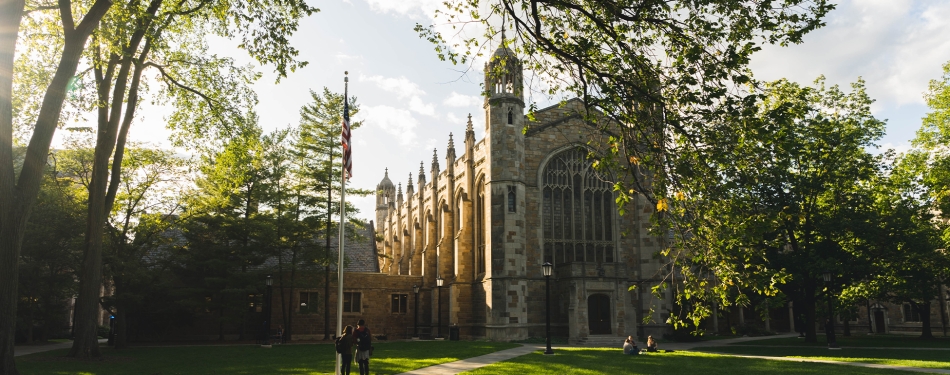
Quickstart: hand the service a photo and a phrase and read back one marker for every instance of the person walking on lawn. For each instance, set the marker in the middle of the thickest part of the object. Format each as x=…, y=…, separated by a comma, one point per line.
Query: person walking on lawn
x=344, y=346
x=364, y=346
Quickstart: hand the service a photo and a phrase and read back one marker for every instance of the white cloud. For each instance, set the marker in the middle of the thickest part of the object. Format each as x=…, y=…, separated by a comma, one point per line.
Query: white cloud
x=344, y=58
x=398, y=122
x=401, y=86
x=411, y=8
x=458, y=100
x=418, y=106
x=896, y=46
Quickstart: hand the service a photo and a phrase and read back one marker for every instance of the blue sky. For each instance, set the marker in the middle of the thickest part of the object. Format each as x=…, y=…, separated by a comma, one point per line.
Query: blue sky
x=411, y=101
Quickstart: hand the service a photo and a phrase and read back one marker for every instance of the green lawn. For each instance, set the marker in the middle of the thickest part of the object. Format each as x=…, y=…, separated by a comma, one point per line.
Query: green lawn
x=903, y=357
x=591, y=361
x=858, y=340
x=389, y=358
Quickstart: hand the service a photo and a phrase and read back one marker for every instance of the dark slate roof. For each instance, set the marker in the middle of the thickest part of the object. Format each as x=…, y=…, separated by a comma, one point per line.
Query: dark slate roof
x=360, y=252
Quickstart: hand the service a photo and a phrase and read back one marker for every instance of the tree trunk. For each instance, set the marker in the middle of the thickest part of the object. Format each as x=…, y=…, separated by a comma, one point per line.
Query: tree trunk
x=18, y=194
x=121, y=328
x=120, y=341
x=86, y=341
x=11, y=224
x=923, y=309
x=811, y=335
x=221, y=324
x=29, y=322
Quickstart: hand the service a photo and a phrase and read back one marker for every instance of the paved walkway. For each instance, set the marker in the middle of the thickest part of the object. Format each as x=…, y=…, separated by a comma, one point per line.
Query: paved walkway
x=470, y=364
x=30, y=349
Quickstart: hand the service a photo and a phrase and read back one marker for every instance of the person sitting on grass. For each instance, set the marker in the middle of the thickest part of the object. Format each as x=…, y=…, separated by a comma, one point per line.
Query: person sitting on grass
x=651, y=344
x=630, y=346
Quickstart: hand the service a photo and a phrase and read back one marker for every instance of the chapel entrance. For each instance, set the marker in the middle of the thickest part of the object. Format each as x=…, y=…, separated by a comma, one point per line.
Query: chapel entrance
x=879, y=322
x=598, y=313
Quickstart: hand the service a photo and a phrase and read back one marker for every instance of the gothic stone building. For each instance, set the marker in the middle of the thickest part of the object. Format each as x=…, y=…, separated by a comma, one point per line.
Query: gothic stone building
x=511, y=201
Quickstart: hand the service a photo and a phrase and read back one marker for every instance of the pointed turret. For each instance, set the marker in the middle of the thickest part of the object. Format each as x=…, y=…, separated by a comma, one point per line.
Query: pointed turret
x=450, y=156
x=399, y=195
x=435, y=164
x=409, y=188
x=422, y=174
x=469, y=128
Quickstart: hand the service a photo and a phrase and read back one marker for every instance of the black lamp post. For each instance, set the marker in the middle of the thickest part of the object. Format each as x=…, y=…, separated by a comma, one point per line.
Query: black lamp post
x=546, y=269
x=269, y=281
x=438, y=328
x=415, y=313
x=830, y=327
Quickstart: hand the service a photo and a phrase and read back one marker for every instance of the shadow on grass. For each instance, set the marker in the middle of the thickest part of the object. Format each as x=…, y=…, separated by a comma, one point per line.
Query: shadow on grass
x=592, y=361
x=389, y=358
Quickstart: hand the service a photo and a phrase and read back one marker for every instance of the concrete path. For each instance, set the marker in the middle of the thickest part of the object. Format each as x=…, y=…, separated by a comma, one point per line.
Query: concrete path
x=470, y=364
x=30, y=349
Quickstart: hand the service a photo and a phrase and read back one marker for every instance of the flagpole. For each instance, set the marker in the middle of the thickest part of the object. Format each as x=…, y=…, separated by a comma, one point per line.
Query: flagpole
x=339, y=267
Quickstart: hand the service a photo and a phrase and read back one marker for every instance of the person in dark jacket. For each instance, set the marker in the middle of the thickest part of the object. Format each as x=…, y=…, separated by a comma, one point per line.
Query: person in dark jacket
x=364, y=346
x=346, y=342
x=630, y=346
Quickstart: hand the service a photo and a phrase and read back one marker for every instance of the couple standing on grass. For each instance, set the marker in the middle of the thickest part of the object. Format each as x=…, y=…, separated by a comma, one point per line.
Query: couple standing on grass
x=362, y=339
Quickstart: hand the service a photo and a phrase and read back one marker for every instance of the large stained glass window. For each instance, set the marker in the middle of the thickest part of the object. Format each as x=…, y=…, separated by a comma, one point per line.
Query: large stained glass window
x=577, y=205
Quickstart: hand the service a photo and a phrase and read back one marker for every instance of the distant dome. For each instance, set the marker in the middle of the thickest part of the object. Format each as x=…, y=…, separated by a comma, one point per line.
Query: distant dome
x=386, y=183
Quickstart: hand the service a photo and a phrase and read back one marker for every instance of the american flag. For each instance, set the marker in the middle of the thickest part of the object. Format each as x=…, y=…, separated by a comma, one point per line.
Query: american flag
x=347, y=148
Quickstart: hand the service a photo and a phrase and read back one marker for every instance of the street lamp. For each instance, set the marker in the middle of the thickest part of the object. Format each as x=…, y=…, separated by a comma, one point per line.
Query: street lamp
x=438, y=328
x=415, y=313
x=269, y=281
x=830, y=327
x=546, y=269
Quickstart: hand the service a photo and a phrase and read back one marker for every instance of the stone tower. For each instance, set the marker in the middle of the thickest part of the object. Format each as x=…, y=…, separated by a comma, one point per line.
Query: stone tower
x=506, y=284
x=385, y=197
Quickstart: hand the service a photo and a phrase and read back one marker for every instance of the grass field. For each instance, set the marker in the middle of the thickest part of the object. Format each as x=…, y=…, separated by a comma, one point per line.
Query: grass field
x=939, y=359
x=590, y=361
x=389, y=358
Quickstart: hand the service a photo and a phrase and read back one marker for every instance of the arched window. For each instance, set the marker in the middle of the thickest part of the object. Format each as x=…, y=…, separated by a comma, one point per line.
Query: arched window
x=511, y=117
x=578, y=209
x=480, y=227
x=511, y=199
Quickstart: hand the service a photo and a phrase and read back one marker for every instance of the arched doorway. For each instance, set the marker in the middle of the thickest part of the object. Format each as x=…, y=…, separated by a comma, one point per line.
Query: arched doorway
x=598, y=314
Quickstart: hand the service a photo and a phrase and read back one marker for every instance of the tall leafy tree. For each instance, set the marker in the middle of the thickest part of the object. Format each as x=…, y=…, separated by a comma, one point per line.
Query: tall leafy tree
x=226, y=234
x=169, y=37
x=779, y=214
x=19, y=188
x=318, y=148
x=147, y=203
x=926, y=182
x=51, y=254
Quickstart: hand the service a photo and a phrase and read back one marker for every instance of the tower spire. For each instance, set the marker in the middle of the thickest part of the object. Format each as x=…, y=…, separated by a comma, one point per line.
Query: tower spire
x=435, y=162
x=409, y=188
x=468, y=126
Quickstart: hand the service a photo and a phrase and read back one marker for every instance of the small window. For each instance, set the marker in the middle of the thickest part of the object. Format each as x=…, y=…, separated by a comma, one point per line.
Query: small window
x=399, y=303
x=910, y=313
x=511, y=199
x=511, y=117
x=352, y=302
x=308, y=303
